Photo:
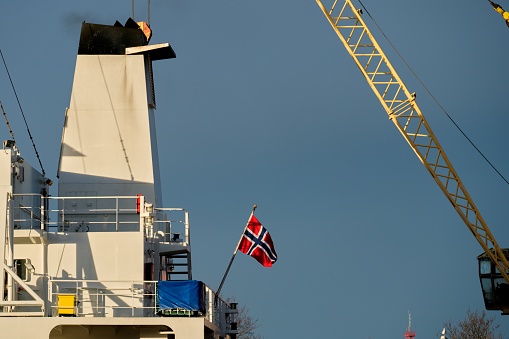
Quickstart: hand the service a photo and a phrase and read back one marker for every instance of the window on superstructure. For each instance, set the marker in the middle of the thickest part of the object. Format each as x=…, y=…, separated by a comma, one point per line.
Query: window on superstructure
x=21, y=268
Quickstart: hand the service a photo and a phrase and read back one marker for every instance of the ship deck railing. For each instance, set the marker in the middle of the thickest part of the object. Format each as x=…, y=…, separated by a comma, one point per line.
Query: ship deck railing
x=108, y=298
x=97, y=214
x=118, y=298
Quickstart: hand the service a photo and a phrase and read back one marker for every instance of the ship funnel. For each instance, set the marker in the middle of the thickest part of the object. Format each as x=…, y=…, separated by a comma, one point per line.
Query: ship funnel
x=109, y=143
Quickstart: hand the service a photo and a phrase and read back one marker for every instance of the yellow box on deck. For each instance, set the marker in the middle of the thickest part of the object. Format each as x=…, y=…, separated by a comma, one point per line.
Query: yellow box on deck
x=66, y=304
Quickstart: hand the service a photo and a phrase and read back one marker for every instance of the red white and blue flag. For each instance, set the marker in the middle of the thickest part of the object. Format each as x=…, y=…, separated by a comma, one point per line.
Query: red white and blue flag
x=256, y=242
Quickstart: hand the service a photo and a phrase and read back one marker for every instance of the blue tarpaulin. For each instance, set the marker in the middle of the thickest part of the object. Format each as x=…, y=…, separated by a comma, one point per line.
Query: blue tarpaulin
x=184, y=294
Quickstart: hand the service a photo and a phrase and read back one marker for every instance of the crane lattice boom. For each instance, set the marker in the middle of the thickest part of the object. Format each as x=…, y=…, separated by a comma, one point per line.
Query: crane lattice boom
x=402, y=108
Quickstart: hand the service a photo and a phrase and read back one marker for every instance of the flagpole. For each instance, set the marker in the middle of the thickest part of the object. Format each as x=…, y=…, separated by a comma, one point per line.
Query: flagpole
x=234, y=253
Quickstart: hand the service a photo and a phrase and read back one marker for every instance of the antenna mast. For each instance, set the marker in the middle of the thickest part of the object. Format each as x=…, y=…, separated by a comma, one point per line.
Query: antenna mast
x=148, y=11
x=409, y=334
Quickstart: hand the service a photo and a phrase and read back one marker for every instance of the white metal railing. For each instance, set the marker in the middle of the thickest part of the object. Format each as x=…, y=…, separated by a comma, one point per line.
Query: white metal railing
x=92, y=213
x=94, y=298
x=172, y=224
x=75, y=214
x=28, y=211
x=98, y=213
x=218, y=311
x=115, y=298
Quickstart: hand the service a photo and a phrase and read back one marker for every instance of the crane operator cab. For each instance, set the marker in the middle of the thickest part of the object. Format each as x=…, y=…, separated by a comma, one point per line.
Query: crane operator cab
x=494, y=287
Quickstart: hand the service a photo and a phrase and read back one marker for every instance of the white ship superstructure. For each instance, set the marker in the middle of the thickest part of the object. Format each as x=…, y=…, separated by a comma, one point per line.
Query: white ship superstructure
x=104, y=259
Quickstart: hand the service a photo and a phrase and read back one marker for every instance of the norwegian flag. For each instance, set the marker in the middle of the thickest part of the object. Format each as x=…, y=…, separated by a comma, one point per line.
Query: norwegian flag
x=256, y=242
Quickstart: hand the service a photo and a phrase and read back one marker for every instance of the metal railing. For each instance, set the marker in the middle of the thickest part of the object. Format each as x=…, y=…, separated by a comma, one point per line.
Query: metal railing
x=28, y=211
x=96, y=214
x=115, y=298
x=109, y=298
x=172, y=224
x=92, y=213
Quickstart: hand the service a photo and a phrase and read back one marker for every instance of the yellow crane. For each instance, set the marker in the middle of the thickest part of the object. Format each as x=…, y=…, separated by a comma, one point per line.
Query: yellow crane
x=402, y=109
x=501, y=11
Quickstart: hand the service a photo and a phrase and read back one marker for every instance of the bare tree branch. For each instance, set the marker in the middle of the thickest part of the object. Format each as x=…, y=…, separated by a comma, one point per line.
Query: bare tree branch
x=246, y=324
x=473, y=326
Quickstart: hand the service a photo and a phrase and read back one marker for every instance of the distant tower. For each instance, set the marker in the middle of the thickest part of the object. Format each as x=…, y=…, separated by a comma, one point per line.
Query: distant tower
x=409, y=334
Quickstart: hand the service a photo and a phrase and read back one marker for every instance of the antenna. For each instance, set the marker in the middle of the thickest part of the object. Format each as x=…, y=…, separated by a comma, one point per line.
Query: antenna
x=148, y=11
x=409, y=334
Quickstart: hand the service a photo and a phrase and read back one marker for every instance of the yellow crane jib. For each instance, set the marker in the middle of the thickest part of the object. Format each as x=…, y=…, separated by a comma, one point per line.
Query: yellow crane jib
x=502, y=12
x=402, y=109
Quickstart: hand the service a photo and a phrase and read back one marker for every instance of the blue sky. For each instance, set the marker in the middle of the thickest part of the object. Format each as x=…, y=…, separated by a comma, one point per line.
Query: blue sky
x=264, y=106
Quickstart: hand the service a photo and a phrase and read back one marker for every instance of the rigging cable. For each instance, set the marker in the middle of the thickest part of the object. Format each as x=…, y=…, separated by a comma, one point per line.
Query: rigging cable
x=7, y=122
x=23, y=115
x=434, y=99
